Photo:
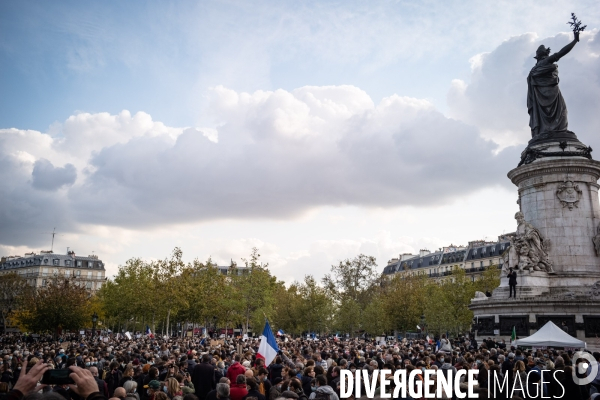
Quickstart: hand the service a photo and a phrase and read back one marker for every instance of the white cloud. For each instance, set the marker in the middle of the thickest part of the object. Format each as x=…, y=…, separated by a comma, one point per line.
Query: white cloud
x=282, y=153
x=273, y=155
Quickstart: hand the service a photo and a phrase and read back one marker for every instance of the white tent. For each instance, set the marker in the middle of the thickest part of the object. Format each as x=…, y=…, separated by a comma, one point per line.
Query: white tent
x=550, y=335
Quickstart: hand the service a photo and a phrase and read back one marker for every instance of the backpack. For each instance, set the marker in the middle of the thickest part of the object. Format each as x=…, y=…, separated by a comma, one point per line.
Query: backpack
x=321, y=396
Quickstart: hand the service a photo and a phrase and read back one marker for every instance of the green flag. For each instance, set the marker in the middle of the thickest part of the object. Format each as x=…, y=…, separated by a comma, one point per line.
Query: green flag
x=513, y=335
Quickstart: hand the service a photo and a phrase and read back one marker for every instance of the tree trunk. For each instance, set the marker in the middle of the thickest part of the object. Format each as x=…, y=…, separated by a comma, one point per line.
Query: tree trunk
x=247, y=321
x=153, y=322
x=168, y=316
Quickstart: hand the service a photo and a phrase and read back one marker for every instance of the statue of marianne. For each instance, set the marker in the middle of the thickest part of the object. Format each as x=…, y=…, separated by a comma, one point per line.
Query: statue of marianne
x=545, y=104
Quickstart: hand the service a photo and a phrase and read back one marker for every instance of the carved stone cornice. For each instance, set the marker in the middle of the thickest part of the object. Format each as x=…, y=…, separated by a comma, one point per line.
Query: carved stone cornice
x=545, y=168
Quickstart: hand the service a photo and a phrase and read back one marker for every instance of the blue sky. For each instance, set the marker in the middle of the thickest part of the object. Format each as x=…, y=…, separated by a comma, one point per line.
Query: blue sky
x=310, y=101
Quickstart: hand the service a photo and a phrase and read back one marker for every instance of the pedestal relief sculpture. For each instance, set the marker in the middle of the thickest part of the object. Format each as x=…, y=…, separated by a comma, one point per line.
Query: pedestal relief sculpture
x=569, y=194
x=596, y=241
x=528, y=250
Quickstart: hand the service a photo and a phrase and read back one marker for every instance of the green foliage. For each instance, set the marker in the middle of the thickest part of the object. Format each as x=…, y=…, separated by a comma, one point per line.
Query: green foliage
x=353, y=298
x=256, y=288
x=351, y=285
x=13, y=288
x=62, y=305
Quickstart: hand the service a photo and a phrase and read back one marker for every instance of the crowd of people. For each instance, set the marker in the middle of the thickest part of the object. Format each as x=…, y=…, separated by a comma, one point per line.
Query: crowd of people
x=147, y=368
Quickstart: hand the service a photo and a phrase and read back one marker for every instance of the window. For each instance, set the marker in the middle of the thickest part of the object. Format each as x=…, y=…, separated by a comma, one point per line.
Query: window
x=43, y=282
x=55, y=271
x=89, y=274
x=78, y=273
x=44, y=271
x=68, y=263
x=472, y=265
x=79, y=264
x=481, y=264
x=55, y=261
x=88, y=285
x=475, y=252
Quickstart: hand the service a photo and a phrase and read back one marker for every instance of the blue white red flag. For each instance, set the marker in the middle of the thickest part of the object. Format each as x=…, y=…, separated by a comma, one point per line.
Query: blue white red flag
x=268, y=346
x=148, y=331
x=280, y=332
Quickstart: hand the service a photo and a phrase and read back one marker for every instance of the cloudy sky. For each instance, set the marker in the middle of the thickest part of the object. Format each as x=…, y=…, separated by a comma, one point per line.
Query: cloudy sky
x=314, y=131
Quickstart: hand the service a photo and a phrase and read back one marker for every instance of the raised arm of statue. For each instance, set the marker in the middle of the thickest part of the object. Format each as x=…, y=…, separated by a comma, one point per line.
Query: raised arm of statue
x=565, y=50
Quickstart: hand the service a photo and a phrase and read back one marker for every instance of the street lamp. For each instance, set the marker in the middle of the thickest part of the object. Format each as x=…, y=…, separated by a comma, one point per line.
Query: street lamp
x=94, y=320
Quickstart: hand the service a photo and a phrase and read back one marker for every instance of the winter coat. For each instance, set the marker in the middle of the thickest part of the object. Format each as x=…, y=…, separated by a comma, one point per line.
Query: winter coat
x=234, y=370
x=254, y=393
x=203, y=378
x=238, y=391
x=327, y=390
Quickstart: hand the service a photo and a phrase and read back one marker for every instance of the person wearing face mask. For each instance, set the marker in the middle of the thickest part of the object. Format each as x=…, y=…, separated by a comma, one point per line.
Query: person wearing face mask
x=102, y=386
x=172, y=388
x=131, y=390
x=264, y=385
x=113, y=377
x=253, y=390
x=7, y=373
x=296, y=387
x=307, y=378
x=276, y=389
x=17, y=372
x=152, y=388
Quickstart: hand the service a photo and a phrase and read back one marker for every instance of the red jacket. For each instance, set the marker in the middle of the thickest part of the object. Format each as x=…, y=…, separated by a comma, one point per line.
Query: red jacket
x=238, y=391
x=234, y=370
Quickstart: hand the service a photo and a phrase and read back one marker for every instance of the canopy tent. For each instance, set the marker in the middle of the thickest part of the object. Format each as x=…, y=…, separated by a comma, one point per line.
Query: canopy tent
x=550, y=335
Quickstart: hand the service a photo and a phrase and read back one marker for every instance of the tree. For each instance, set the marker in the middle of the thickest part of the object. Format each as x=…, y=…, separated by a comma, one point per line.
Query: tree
x=351, y=284
x=169, y=285
x=490, y=279
x=63, y=304
x=256, y=287
x=12, y=289
x=316, y=305
x=288, y=308
x=131, y=294
x=404, y=299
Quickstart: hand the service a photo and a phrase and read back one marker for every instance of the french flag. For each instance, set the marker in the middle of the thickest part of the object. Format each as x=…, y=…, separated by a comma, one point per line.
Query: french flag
x=149, y=332
x=280, y=332
x=268, y=346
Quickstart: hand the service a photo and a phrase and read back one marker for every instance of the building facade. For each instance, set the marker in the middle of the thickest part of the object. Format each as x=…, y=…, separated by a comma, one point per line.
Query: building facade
x=38, y=269
x=474, y=259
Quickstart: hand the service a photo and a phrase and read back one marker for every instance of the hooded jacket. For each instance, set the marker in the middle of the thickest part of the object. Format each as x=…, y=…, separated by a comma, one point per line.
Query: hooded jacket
x=326, y=389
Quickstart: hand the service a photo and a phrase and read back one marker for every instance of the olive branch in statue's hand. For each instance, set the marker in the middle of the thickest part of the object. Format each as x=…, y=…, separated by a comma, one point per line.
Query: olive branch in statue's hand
x=576, y=26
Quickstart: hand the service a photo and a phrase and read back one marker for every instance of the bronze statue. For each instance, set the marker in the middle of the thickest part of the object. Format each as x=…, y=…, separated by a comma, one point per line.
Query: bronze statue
x=545, y=104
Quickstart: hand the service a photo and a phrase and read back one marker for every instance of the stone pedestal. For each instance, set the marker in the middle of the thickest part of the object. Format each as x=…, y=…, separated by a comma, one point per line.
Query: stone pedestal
x=529, y=284
x=558, y=196
x=495, y=317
